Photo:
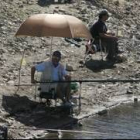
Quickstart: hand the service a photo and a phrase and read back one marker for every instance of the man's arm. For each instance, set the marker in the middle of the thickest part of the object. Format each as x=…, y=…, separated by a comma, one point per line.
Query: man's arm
x=106, y=35
x=67, y=77
x=65, y=74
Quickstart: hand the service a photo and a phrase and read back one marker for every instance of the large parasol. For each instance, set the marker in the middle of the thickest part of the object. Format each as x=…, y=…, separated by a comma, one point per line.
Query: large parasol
x=41, y=25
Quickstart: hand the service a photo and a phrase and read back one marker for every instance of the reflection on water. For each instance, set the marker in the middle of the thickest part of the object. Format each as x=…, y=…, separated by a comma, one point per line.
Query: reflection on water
x=120, y=122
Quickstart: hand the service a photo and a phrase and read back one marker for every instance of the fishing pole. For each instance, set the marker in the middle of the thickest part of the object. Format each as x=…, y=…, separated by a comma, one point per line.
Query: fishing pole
x=81, y=81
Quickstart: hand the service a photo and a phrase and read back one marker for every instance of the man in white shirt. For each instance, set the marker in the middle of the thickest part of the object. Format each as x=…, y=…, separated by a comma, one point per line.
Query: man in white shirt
x=53, y=70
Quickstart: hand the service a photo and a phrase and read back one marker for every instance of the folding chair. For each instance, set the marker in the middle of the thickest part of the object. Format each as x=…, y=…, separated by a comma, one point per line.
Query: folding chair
x=51, y=93
x=48, y=95
x=92, y=48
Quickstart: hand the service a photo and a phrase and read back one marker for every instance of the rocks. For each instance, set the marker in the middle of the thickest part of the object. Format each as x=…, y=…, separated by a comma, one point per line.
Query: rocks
x=14, y=12
x=69, y=68
x=103, y=112
x=129, y=92
x=3, y=132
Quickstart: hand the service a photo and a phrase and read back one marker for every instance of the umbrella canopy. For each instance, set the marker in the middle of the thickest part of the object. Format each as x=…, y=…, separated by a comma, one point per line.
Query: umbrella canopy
x=41, y=25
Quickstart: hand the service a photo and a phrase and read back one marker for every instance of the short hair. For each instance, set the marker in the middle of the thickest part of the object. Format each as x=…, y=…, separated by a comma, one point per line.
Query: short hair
x=102, y=13
x=57, y=53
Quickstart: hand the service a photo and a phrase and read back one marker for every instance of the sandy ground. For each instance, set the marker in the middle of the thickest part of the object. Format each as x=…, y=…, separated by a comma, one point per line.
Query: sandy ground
x=24, y=115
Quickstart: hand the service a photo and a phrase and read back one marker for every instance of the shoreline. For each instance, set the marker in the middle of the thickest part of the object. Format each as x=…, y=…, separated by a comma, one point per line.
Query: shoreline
x=56, y=121
x=21, y=109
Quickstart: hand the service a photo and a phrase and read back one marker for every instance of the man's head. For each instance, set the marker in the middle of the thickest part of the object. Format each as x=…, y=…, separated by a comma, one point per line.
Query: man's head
x=56, y=56
x=103, y=14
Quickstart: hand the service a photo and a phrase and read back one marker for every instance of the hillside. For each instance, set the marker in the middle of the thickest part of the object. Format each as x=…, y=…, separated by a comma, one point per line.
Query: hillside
x=18, y=108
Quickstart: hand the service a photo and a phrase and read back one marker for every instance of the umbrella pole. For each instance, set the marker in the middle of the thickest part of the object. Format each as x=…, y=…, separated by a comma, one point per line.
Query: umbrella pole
x=51, y=47
x=20, y=70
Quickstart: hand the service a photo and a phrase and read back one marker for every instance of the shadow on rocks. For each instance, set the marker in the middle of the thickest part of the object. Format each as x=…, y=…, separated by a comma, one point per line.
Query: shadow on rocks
x=98, y=65
x=44, y=2
x=49, y=2
x=32, y=113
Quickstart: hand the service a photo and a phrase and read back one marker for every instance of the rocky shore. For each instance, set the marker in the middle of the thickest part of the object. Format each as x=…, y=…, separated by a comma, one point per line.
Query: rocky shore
x=20, y=110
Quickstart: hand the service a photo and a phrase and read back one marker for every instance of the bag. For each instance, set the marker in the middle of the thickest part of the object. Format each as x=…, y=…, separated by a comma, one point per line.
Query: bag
x=91, y=48
x=74, y=86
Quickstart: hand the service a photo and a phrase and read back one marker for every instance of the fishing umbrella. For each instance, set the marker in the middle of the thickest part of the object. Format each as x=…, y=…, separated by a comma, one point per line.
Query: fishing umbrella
x=53, y=25
x=41, y=25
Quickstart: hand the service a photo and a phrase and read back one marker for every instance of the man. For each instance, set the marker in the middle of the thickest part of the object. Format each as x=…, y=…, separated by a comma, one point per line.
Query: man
x=108, y=40
x=53, y=70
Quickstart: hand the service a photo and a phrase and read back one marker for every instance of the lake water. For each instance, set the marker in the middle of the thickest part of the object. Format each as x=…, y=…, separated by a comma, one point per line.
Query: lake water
x=122, y=122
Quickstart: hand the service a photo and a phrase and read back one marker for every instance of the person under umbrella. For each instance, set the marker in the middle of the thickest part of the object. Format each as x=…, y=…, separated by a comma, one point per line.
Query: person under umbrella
x=53, y=70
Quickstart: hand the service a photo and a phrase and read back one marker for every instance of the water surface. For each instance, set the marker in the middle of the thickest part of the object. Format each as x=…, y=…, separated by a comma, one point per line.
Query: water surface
x=122, y=122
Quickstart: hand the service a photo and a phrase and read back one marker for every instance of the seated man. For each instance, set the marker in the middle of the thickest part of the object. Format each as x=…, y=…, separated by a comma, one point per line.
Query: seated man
x=52, y=70
x=108, y=40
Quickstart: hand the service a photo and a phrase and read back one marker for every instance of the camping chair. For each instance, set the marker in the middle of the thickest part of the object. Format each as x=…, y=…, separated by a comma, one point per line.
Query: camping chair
x=51, y=93
x=75, y=97
x=94, y=46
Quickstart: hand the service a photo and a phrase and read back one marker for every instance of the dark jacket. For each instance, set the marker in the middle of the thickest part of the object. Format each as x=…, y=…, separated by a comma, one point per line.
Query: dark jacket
x=97, y=28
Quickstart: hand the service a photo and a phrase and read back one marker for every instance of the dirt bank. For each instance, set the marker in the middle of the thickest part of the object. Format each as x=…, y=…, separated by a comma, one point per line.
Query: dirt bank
x=22, y=110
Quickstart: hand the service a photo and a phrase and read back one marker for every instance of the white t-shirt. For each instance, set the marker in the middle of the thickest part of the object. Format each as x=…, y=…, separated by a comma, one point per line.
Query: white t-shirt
x=41, y=67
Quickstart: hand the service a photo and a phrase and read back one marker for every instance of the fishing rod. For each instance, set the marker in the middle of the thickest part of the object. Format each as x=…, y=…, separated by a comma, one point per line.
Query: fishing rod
x=85, y=81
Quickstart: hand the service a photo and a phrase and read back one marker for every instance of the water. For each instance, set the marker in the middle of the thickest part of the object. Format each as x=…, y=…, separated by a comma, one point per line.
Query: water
x=122, y=122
